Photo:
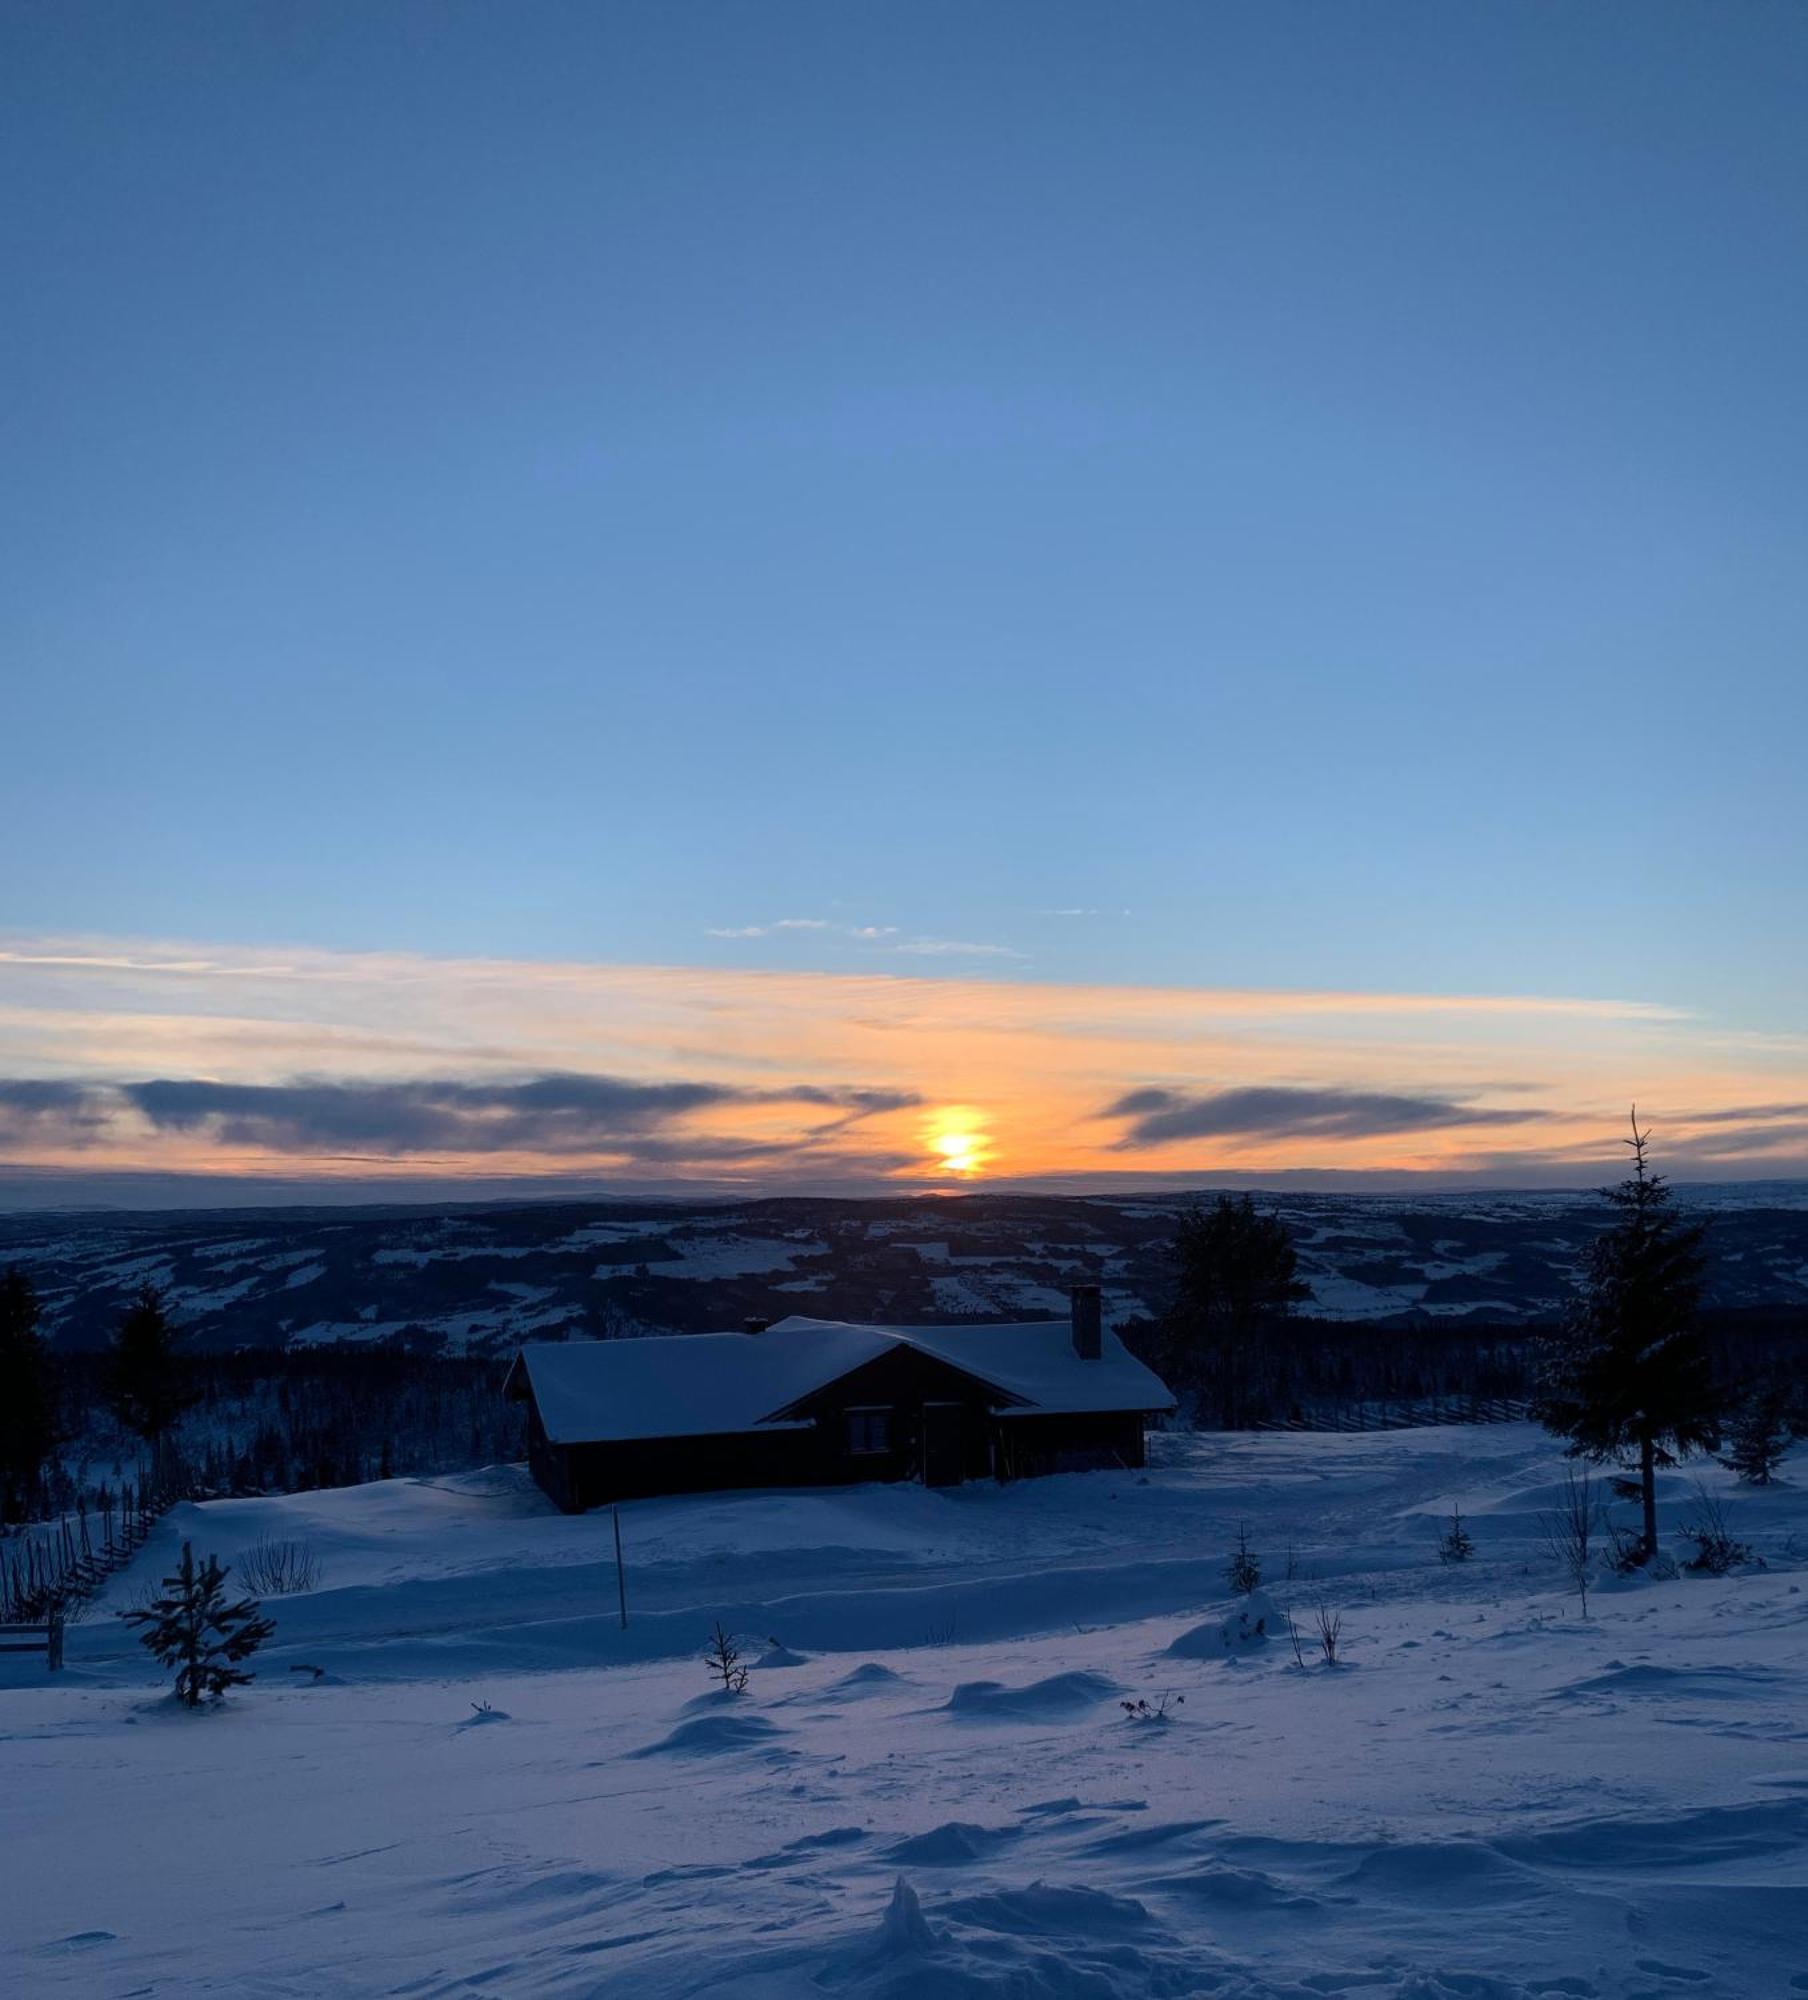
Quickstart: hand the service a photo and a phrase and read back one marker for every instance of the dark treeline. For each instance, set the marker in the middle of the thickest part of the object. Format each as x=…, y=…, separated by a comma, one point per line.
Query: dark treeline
x=1310, y=1369
x=275, y=1421
x=1236, y=1349
x=269, y=1421
x=260, y=1421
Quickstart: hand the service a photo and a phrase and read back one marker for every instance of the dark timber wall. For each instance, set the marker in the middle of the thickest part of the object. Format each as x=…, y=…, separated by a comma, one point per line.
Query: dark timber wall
x=917, y=1417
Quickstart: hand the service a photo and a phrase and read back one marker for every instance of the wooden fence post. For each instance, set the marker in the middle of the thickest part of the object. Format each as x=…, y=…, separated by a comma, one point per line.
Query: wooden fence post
x=621, y=1575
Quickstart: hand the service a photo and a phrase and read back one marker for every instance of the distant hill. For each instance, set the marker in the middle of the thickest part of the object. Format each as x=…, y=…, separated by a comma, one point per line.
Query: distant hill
x=480, y=1278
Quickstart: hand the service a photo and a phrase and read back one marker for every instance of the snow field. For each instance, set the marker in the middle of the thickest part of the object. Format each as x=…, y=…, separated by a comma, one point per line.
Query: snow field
x=930, y=1787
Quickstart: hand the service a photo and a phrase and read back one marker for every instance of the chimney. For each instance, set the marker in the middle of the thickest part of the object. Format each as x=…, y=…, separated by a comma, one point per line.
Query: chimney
x=1086, y=1336
x=755, y=1324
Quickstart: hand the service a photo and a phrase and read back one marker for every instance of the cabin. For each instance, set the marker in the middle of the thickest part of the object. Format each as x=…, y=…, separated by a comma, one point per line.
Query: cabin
x=814, y=1402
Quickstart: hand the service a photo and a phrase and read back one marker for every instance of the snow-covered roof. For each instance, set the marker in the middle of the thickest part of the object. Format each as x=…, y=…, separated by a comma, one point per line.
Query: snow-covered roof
x=682, y=1385
x=1033, y=1361
x=711, y=1384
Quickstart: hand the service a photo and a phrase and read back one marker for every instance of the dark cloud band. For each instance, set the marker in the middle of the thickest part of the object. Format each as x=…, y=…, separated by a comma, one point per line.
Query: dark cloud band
x=556, y=1114
x=1159, y=1117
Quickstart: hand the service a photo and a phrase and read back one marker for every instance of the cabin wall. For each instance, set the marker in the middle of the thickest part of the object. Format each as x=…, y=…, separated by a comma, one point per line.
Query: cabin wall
x=1032, y=1446
x=546, y=1461
x=940, y=1421
x=643, y=1468
x=941, y=1430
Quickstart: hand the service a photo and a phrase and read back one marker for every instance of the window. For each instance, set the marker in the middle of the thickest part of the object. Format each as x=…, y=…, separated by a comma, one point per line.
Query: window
x=869, y=1430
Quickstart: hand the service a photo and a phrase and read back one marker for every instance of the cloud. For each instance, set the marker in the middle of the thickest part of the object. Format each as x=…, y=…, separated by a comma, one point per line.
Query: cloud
x=861, y=933
x=782, y=924
x=871, y=934
x=48, y=1112
x=927, y=947
x=1037, y=1057
x=1745, y=1114
x=1159, y=1117
x=547, y=1113
x=557, y=1115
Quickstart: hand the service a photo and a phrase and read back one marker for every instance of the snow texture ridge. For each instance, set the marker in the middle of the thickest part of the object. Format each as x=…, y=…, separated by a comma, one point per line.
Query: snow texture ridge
x=935, y=1791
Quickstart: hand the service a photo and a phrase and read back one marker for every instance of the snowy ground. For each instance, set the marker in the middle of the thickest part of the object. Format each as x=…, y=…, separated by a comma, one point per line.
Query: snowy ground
x=1493, y=1798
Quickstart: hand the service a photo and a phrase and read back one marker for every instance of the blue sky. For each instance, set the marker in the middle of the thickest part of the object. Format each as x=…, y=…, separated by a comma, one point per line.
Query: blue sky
x=1319, y=489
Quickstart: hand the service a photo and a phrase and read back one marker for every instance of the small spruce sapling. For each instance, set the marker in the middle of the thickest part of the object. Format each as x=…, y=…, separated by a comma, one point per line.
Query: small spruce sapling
x=1244, y=1570
x=1758, y=1439
x=1457, y=1545
x=724, y=1661
x=194, y=1629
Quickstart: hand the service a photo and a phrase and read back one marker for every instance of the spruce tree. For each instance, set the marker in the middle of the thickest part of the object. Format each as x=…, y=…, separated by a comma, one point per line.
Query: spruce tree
x=195, y=1630
x=1239, y=1277
x=146, y=1384
x=28, y=1414
x=1629, y=1373
x=1758, y=1438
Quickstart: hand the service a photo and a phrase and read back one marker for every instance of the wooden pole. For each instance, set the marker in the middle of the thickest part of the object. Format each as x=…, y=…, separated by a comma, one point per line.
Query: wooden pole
x=621, y=1575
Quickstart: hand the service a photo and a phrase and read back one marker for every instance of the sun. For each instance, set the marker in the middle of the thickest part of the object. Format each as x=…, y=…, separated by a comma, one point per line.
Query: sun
x=958, y=1142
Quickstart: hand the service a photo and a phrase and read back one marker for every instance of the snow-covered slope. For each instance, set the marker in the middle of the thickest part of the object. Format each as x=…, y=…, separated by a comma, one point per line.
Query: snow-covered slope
x=1492, y=1797
x=487, y=1278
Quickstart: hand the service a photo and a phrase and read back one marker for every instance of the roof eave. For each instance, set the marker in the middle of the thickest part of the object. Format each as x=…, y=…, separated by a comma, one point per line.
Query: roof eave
x=1007, y=1398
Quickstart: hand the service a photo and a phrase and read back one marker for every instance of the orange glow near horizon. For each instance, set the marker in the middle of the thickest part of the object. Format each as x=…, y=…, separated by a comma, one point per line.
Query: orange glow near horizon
x=858, y=1077
x=958, y=1142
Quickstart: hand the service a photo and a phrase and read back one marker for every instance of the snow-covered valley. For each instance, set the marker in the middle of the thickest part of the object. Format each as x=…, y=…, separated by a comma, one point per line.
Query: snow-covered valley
x=482, y=1279
x=492, y=1789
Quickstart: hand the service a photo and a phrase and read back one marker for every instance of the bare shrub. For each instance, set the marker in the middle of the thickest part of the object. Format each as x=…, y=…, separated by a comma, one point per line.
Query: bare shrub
x=1329, y=1626
x=1145, y=1710
x=1573, y=1529
x=1717, y=1548
x=274, y=1568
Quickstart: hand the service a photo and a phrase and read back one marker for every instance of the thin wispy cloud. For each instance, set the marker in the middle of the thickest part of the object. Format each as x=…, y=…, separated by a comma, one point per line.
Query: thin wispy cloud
x=1748, y=1114
x=822, y=925
x=773, y=929
x=930, y=947
x=883, y=937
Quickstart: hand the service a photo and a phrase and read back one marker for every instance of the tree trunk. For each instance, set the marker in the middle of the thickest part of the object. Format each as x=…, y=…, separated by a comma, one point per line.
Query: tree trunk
x=1648, y=1482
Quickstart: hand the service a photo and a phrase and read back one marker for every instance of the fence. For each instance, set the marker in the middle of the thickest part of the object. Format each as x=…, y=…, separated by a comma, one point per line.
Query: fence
x=47, y=1571
x=46, y=1637
x=1416, y=1414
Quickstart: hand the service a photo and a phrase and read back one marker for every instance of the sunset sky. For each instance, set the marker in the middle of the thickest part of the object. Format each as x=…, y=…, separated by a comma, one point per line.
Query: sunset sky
x=925, y=596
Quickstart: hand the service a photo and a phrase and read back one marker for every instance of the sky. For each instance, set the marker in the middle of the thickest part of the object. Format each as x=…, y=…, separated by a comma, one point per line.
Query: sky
x=912, y=595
